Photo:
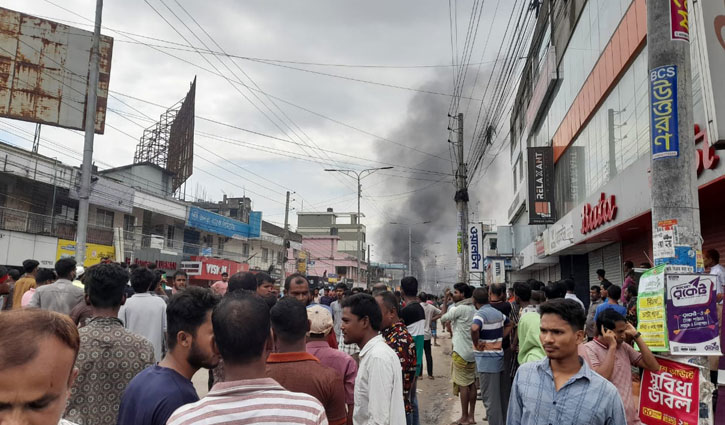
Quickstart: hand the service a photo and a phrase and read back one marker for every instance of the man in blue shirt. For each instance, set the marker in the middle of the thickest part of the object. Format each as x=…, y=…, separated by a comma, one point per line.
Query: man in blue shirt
x=614, y=292
x=489, y=328
x=562, y=389
x=153, y=395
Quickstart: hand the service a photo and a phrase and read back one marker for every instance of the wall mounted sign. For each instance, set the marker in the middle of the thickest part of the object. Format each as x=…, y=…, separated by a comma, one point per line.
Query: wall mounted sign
x=596, y=216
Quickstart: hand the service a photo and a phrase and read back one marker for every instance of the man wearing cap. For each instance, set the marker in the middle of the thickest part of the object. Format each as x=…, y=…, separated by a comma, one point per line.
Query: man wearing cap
x=320, y=325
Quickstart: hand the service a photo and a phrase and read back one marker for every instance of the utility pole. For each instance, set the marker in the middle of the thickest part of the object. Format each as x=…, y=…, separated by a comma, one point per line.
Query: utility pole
x=84, y=192
x=369, y=277
x=675, y=203
x=461, y=199
x=410, y=251
x=285, y=241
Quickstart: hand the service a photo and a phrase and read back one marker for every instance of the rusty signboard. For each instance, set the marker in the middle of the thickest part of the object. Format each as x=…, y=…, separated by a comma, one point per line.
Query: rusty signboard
x=181, y=140
x=44, y=69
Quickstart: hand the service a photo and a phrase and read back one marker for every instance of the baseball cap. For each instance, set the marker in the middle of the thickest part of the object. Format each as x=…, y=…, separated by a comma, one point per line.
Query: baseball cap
x=320, y=320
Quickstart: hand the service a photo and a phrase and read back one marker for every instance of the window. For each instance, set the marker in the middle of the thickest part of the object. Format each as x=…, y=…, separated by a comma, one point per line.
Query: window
x=129, y=223
x=245, y=249
x=492, y=244
x=65, y=212
x=265, y=255
x=170, y=231
x=220, y=243
x=280, y=257
x=104, y=218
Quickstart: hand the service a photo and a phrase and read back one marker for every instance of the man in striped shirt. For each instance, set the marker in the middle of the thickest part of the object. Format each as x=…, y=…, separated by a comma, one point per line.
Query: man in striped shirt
x=242, y=332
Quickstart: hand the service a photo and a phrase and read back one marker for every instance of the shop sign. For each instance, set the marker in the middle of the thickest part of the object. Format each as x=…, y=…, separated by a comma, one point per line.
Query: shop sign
x=541, y=185
x=218, y=224
x=94, y=252
x=663, y=112
x=679, y=20
x=692, y=315
x=596, y=216
x=561, y=235
x=670, y=395
x=211, y=268
x=475, y=238
x=164, y=265
x=496, y=272
x=651, y=320
x=706, y=158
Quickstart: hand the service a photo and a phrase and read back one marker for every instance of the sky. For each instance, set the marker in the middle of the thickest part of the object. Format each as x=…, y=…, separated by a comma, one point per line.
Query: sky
x=323, y=121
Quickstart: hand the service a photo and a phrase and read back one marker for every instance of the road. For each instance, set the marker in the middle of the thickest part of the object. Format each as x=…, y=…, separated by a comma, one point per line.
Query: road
x=436, y=402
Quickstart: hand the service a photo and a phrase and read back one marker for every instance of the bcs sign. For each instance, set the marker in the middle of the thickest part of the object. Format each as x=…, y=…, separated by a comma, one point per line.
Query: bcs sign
x=596, y=216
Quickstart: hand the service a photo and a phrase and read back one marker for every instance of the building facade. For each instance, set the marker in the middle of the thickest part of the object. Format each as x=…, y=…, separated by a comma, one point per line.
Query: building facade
x=584, y=95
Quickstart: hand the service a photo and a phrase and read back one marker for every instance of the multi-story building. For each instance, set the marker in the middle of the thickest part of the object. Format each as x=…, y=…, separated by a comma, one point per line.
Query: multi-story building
x=585, y=94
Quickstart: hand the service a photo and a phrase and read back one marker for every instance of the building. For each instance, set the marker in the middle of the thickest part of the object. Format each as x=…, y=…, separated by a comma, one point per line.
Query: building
x=584, y=95
x=341, y=230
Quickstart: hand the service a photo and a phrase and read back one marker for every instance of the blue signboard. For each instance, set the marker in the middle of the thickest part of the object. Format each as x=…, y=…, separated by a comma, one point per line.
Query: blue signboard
x=663, y=112
x=215, y=223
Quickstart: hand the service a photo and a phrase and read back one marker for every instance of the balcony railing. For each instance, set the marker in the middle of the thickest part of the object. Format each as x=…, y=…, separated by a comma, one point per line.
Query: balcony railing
x=40, y=224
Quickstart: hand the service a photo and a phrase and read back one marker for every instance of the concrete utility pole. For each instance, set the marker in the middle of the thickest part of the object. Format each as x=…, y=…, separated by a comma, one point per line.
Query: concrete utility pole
x=285, y=241
x=369, y=277
x=410, y=251
x=461, y=199
x=675, y=203
x=359, y=175
x=84, y=192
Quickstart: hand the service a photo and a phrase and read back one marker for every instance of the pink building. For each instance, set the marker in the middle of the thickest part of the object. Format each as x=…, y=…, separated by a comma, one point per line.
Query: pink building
x=325, y=258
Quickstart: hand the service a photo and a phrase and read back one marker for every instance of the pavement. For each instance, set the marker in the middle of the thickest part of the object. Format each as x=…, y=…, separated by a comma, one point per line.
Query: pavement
x=436, y=402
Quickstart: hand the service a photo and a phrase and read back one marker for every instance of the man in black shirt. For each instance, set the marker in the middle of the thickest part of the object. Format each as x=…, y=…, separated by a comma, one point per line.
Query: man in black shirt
x=496, y=296
x=413, y=316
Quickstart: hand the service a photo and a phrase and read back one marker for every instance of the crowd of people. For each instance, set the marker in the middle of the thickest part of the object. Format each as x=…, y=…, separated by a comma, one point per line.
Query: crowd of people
x=119, y=345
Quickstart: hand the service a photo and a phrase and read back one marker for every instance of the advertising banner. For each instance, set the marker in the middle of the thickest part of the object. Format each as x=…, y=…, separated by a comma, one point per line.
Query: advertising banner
x=663, y=112
x=212, y=268
x=475, y=248
x=680, y=28
x=692, y=314
x=651, y=320
x=670, y=396
x=94, y=252
x=215, y=223
x=541, y=185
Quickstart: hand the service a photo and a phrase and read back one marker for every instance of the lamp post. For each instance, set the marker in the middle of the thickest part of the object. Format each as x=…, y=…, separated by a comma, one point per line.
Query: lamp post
x=410, y=242
x=359, y=175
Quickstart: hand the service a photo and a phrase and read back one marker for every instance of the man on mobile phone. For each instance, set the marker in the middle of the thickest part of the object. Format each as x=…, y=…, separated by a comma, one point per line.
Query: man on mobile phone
x=611, y=357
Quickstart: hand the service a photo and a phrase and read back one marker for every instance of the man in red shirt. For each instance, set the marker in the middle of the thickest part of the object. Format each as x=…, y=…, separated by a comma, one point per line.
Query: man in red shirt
x=295, y=369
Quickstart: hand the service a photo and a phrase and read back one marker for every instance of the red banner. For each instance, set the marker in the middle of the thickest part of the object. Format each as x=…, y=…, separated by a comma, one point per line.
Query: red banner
x=679, y=20
x=670, y=396
x=212, y=268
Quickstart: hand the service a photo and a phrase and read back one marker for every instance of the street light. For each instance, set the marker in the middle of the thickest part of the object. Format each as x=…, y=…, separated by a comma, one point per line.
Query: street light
x=359, y=175
x=410, y=242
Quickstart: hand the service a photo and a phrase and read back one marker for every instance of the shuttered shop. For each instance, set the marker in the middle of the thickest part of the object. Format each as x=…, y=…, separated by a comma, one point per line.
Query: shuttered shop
x=608, y=258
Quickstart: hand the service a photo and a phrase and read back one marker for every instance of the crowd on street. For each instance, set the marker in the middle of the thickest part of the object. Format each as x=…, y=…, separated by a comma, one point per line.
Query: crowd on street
x=114, y=344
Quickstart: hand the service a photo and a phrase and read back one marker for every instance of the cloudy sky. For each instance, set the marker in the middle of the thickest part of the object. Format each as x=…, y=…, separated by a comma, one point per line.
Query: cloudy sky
x=324, y=121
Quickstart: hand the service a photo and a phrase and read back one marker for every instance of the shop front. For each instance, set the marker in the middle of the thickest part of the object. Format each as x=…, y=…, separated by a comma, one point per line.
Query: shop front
x=163, y=260
x=203, y=271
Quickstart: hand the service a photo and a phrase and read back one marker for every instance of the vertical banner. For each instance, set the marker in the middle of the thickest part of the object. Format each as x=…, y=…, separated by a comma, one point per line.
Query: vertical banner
x=475, y=241
x=651, y=320
x=679, y=20
x=692, y=315
x=671, y=395
x=663, y=112
x=541, y=185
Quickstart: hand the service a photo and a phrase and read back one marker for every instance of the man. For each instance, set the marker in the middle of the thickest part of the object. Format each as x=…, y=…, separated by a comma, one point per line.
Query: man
x=496, y=293
x=220, y=286
x=61, y=296
x=570, y=295
x=320, y=325
x=398, y=338
x=614, y=293
x=265, y=284
x=611, y=357
x=242, y=281
x=379, y=382
x=340, y=290
x=179, y=282
x=42, y=278
x=295, y=369
x=562, y=389
x=628, y=269
x=13, y=276
x=297, y=286
x=145, y=313
x=110, y=356
x=595, y=300
x=711, y=259
x=413, y=317
x=432, y=313
x=37, y=368
x=30, y=269
x=154, y=394
x=463, y=372
x=327, y=298
x=631, y=305
x=488, y=330
x=600, y=276
x=242, y=336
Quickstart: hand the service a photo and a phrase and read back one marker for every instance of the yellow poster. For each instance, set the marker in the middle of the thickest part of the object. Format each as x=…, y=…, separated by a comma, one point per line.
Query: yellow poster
x=94, y=252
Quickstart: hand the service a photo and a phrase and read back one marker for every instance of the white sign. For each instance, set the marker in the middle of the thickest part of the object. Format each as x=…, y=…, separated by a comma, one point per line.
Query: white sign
x=475, y=243
x=16, y=247
x=663, y=241
x=496, y=272
x=192, y=268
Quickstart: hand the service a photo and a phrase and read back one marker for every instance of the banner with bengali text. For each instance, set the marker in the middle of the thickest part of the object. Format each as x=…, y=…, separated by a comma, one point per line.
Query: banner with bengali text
x=670, y=396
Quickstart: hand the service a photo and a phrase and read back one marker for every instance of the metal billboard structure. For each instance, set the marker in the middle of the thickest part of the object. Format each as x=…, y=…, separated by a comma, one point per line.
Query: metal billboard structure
x=44, y=68
x=170, y=142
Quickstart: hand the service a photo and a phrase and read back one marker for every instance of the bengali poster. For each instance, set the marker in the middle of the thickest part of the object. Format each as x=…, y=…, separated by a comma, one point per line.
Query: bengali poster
x=651, y=320
x=670, y=396
x=692, y=314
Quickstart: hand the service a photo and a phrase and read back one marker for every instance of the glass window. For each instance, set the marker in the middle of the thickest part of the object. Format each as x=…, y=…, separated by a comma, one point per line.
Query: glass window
x=129, y=223
x=245, y=249
x=104, y=218
x=265, y=255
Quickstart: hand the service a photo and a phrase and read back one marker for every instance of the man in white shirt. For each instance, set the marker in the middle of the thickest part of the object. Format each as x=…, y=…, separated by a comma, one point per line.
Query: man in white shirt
x=711, y=258
x=432, y=313
x=379, y=382
x=570, y=295
x=145, y=313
